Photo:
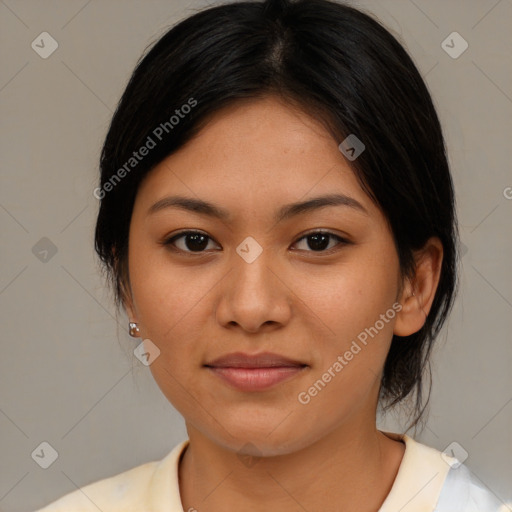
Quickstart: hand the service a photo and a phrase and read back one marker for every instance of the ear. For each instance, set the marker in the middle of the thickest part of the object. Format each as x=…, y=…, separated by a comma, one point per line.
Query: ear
x=124, y=288
x=419, y=290
x=129, y=308
x=127, y=301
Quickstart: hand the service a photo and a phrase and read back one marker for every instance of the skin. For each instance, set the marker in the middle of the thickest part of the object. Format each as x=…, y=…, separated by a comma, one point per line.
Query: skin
x=251, y=159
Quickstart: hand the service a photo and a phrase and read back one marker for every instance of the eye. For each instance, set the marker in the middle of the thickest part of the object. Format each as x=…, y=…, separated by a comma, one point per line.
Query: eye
x=193, y=241
x=197, y=242
x=318, y=241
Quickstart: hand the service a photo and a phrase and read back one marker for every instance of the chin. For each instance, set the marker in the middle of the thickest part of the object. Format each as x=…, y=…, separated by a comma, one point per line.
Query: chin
x=262, y=439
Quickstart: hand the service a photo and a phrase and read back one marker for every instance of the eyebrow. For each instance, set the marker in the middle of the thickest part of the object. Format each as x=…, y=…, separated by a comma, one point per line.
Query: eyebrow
x=290, y=210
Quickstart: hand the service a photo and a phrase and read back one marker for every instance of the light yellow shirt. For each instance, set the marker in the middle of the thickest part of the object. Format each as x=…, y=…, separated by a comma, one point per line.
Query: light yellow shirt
x=426, y=482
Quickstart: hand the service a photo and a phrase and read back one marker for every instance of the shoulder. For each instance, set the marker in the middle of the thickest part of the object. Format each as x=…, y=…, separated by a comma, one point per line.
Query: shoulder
x=463, y=492
x=428, y=479
x=125, y=492
x=114, y=492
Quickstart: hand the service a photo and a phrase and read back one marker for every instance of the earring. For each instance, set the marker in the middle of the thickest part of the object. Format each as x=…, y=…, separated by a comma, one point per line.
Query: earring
x=133, y=330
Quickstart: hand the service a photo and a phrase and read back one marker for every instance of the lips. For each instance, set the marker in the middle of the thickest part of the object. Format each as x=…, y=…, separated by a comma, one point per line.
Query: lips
x=264, y=360
x=257, y=372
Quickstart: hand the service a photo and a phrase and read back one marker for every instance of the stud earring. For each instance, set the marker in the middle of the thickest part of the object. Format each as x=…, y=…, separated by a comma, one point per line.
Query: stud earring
x=133, y=330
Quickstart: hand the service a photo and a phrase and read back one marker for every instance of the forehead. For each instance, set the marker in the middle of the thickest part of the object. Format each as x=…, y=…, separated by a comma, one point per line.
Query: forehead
x=267, y=130
x=253, y=154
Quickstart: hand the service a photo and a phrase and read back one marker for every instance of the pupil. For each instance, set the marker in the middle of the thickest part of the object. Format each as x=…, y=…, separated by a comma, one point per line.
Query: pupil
x=320, y=241
x=199, y=242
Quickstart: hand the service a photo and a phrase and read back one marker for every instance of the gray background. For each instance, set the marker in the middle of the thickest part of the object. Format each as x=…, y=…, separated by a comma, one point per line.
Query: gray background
x=67, y=372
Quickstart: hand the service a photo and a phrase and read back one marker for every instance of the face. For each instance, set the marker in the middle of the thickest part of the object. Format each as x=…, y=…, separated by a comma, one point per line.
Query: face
x=317, y=287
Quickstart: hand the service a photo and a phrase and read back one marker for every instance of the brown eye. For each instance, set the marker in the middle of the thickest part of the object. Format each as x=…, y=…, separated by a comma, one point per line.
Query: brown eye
x=319, y=241
x=189, y=241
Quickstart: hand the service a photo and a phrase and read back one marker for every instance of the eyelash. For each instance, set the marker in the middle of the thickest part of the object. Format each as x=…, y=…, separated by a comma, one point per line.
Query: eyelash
x=169, y=242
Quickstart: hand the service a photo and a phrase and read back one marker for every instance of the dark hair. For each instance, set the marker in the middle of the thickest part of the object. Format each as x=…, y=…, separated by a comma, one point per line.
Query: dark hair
x=335, y=63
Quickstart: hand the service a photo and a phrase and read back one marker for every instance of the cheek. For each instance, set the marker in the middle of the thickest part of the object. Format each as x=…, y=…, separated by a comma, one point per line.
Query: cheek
x=169, y=301
x=165, y=296
x=357, y=315
x=355, y=305
x=350, y=297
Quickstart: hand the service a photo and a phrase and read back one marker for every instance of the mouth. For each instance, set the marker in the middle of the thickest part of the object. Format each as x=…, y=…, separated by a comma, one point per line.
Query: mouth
x=258, y=372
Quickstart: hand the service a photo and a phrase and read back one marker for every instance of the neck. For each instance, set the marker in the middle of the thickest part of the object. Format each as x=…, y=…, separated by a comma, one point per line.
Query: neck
x=349, y=470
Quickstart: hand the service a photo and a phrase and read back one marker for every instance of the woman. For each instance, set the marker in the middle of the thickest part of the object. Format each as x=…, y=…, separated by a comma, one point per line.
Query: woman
x=277, y=219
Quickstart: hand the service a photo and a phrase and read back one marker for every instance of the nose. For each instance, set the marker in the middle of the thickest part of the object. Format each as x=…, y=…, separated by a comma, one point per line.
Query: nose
x=254, y=296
